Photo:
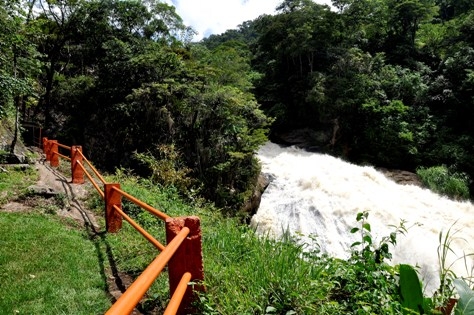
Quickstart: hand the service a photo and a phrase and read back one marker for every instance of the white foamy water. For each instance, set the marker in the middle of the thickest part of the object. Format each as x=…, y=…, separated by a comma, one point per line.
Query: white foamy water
x=317, y=194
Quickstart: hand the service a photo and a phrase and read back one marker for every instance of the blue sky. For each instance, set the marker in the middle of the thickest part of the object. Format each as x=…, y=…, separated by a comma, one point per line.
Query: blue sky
x=216, y=16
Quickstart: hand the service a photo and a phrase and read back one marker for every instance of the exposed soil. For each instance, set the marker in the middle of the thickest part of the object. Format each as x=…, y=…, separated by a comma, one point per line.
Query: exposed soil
x=402, y=177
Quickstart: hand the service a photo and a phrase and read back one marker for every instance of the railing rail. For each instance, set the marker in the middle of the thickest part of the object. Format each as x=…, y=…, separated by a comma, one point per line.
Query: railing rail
x=91, y=179
x=159, y=214
x=183, y=254
x=92, y=168
x=132, y=296
x=137, y=227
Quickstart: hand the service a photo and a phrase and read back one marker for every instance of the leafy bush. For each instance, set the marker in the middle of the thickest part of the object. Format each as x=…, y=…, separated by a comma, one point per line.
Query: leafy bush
x=166, y=167
x=441, y=180
x=366, y=284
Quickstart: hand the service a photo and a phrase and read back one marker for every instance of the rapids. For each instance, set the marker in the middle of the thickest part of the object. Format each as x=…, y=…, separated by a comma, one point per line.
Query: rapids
x=317, y=195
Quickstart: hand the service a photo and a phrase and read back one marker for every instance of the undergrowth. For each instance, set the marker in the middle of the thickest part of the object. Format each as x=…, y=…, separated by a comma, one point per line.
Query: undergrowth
x=443, y=181
x=244, y=273
x=249, y=274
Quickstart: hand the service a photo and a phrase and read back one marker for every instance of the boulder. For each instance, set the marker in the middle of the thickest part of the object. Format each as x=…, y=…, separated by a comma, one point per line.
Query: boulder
x=250, y=207
x=42, y=190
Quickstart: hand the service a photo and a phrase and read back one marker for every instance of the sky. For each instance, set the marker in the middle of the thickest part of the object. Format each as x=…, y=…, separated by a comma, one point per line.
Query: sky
x=216, y=16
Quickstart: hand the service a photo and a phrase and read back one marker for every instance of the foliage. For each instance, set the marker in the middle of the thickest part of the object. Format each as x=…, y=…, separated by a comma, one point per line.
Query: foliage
x=449, y=281
x=166, y=170
x=367, y=277
x=122, y=76
x=17, y=54
x=413, y=301
x=443, y=181
x=465, y=304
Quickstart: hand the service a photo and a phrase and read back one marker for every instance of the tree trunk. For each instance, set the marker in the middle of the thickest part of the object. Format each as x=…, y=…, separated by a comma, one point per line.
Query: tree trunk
x=17, y=109
x=17, y=118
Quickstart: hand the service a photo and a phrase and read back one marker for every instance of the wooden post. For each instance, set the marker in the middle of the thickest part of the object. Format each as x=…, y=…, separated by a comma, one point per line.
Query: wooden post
x=54, y=162
x=113, y=220
x=76, y=171
x=188, y=258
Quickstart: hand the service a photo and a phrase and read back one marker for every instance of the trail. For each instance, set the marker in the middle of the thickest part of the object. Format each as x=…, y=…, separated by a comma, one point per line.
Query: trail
x=75, y=208
x=55, y=182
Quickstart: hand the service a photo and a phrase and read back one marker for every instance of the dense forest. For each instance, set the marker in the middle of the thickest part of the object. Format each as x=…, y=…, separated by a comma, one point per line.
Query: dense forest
x=384, y=82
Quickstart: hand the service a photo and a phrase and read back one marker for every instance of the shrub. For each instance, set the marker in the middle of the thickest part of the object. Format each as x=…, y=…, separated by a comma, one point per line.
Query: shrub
x=441, y=180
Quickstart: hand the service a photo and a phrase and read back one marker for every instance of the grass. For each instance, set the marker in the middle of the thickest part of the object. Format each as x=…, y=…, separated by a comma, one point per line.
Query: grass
x=47, y=265
x=244, y=273
x=441, y=180
x=14, y=182
x=47, y=268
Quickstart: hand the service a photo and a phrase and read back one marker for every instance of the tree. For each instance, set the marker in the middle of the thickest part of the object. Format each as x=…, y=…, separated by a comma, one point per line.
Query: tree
x=18, y=60
x=406, y=16
x=291, y=47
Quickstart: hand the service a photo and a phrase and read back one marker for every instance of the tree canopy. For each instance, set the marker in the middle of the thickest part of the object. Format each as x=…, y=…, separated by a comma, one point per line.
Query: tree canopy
x=391, y=81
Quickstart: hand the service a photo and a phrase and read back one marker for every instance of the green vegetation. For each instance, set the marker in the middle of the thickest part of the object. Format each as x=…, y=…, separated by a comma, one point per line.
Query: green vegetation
x=48, y=268
x=244, y=273
x=388, y=82
x=439, y=179
x=248, y=274
x=14, y=182
x=384, y=82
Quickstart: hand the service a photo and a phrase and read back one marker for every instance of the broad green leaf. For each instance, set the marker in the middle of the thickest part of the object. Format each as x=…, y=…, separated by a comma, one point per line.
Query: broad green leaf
x=367, y=239
x=465, y=303
x=410, y=290
x=366, y=226
x=354, y=230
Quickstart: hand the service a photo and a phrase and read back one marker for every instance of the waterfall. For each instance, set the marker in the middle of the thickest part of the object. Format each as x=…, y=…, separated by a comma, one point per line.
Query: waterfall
x=314, y=195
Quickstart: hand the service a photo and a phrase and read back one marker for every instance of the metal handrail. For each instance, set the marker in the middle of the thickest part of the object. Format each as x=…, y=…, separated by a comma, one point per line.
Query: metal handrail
x=64, y=146
x=91, y=179
x=63, y=156
x=93, y=168
x=137, y=227
x=177, y=298
x=130, y=298
x=158, y=213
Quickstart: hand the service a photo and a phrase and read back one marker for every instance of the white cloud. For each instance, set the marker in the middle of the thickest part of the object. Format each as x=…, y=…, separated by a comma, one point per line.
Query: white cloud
x=216, y=16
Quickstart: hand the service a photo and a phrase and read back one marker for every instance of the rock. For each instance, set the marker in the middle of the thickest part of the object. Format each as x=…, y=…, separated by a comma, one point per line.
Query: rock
x=250, y=207
x=304, y=138
x=6, y=139
x=42, y=190
x=401, y=177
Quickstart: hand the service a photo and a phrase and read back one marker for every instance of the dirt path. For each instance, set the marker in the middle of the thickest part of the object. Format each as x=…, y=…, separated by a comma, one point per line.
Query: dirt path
x=54, y=183
x=75, y=194
x=73, y=199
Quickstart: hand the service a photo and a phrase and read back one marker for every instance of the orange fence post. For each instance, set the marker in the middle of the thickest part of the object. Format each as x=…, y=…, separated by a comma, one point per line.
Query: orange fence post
x=76, y=171
x=113, y=220
x=47, y=149
x=188, y=258
x=54, y=153
x=45, y=140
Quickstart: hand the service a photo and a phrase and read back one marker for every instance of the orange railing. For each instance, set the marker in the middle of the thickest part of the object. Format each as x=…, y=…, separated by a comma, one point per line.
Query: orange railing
x=183, y=254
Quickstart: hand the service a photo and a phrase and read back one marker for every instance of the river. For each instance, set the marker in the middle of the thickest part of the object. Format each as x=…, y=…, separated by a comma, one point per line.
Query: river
x=318, y=195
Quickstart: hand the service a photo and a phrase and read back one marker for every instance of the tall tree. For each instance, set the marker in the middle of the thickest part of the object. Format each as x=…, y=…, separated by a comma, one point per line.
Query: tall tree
x=292, y=46
x=18, y=60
